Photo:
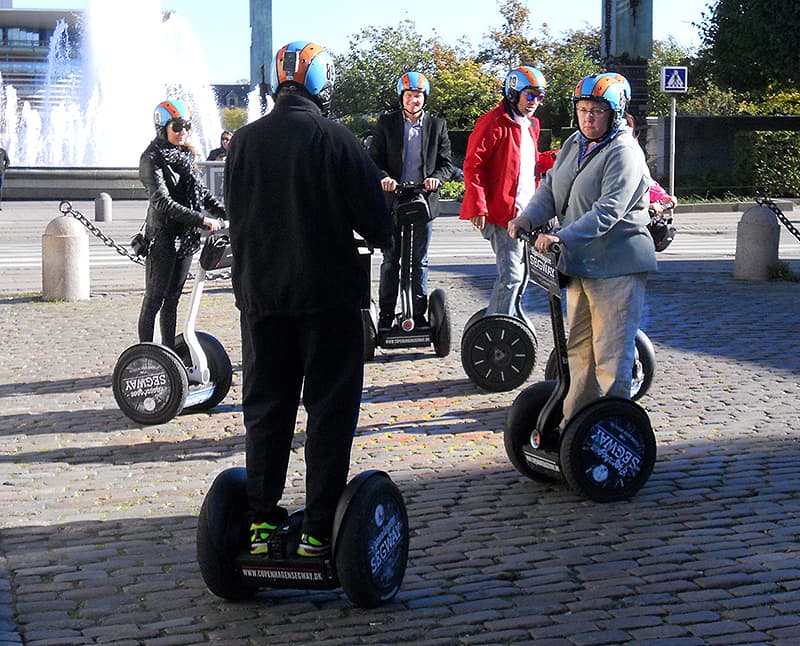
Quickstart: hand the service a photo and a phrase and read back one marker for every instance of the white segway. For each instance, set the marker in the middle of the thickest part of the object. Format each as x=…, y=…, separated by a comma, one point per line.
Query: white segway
x=153, y=383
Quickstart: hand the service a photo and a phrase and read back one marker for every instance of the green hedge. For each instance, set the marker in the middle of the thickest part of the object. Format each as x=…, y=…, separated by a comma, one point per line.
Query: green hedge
x=769, y=161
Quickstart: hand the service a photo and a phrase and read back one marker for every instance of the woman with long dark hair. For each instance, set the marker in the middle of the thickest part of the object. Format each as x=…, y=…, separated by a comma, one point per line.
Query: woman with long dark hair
x=177, y=197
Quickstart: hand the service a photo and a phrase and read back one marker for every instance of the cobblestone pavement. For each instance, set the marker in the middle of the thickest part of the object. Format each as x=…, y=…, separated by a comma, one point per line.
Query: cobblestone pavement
x=98, y=536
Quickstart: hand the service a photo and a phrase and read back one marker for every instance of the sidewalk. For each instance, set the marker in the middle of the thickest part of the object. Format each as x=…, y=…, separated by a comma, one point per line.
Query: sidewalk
x=100, y=515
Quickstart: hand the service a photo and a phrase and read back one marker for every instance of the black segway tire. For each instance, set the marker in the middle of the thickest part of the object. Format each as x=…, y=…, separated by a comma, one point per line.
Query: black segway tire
x=370, y=335
x=441, y=329
x=644, y=363
x=222, y=534
x=520, y=423
x=644, y=366
x=219, y=365
x=370, y=539
x=608, y=450
x=149, y=383
x=498, y=352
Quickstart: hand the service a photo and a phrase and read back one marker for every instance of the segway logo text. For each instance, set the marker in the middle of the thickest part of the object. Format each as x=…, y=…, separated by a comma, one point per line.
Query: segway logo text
x=143, y=386
x=542, y=266
x=387, y=541
x=615, y=454
x=282, y=575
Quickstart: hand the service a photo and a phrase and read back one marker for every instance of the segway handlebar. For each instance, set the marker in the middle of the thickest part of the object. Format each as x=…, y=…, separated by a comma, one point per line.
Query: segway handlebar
x=530, y=237
x=412, y=186
x=667, y=206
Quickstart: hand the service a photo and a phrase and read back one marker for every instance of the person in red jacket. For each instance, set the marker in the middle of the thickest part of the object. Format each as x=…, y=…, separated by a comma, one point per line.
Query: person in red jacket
x=500, y=173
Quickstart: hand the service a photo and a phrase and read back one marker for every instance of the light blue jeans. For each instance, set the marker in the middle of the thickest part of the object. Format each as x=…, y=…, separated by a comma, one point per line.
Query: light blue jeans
x=510, y=261
x=603, y=315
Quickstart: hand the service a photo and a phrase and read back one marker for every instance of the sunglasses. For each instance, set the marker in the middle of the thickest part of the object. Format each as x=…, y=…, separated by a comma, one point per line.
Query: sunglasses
x=226, y=139
x=180, y=124
x=534, y=96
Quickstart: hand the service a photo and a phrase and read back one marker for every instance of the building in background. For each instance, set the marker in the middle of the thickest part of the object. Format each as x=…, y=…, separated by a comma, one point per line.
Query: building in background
x=25, y=38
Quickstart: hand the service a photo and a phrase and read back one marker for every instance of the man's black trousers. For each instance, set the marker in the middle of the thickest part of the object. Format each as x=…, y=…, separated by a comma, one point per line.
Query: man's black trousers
x=320, y=355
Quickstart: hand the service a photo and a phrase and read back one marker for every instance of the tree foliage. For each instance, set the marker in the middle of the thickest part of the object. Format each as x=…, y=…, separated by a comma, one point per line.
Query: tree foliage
x=749, y=45
x=462, y=89
x=366, y=80
x=742, y=67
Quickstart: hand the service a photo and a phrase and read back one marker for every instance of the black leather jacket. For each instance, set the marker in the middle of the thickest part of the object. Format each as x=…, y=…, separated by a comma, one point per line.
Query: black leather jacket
x=167, y=196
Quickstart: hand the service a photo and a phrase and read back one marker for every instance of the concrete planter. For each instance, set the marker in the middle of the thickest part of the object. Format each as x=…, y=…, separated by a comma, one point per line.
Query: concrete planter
x=449, y=207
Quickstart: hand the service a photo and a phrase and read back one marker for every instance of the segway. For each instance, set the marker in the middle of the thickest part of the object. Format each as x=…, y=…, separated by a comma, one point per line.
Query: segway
x=153, y=383
x=644, y=366
x=498, y=352
x=369, y=546
x=607, y=450
x=410, y=210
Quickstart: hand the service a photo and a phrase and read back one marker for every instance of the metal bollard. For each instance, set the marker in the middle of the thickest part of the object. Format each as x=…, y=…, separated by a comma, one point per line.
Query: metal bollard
x=102, y=208
x=65, y=261
x=757, y=238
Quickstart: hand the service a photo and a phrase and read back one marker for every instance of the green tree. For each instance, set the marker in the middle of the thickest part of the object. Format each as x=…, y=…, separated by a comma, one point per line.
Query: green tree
x=462, y=89
x=566, y=61
x=232, y=118
x=366, y=79
x=749, y=45
x=506, y=46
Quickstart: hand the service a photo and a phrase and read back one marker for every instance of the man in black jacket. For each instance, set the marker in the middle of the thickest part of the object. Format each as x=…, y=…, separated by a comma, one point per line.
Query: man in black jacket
x=409, y=145
x=296, y=187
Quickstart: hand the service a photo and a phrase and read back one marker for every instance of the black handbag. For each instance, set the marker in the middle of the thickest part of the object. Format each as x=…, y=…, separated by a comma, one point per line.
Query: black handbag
x=140, y=244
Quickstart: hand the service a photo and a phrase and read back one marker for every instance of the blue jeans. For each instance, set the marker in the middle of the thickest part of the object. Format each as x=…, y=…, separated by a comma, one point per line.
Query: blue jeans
x=603, y=316
x=390, y=271
x=510, y=260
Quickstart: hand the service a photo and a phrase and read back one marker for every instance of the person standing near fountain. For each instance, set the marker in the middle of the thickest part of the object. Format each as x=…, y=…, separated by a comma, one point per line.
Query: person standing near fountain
x=219, y=154
x=4, y=164
x=175, y=217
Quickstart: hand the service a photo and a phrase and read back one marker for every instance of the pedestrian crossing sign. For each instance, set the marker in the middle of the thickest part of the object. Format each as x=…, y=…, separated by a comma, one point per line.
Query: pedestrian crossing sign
x=674, y=79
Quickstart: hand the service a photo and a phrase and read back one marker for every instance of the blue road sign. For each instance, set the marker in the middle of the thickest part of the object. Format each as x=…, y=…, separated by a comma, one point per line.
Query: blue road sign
x=674, y=79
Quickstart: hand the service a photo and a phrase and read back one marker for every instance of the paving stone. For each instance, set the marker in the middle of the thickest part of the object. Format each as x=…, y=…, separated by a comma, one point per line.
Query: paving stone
x=97, y=536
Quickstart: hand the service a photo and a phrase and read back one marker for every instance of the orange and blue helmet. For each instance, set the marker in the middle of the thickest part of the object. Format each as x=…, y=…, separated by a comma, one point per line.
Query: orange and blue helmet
x=167, y=111
x=170, y=110
x=414, y=81
x=307, y=65
x=522, y=78
x=609, y=88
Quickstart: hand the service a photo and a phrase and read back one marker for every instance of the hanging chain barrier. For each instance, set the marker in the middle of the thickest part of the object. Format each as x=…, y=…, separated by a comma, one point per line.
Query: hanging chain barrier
x=66, y=209
x=763, y=200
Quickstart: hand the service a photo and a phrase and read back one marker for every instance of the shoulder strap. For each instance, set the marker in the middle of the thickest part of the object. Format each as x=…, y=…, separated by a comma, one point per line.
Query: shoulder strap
x=586, y=160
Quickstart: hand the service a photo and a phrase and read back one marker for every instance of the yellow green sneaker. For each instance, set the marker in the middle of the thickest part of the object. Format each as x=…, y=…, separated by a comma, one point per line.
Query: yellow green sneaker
x=259, y=537
x=310, y=546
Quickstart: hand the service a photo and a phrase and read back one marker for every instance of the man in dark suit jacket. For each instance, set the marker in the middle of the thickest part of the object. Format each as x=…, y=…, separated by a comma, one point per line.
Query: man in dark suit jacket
x=409, y=145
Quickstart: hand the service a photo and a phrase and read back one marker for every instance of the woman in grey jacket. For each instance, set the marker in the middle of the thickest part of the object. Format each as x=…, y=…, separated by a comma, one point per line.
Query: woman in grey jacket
x=598, y=190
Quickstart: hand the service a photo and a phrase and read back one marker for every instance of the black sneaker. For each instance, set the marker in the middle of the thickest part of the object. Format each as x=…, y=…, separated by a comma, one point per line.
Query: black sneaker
x=385, y=321
x=420, y=320
x=310, y=546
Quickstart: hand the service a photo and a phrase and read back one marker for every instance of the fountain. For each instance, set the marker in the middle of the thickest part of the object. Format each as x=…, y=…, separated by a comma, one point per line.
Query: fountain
x=132, y=56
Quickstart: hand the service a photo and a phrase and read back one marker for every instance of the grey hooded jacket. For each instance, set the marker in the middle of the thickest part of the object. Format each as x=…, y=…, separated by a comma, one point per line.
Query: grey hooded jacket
x=604, y=225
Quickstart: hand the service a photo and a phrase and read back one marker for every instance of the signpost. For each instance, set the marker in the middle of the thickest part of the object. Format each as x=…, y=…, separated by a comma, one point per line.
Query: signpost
x=674, y=80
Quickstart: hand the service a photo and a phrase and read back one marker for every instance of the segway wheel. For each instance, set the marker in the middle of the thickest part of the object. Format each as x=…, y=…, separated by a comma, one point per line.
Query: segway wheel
x=520, y=423
x=219, y=365
x=370, y=335
x=441, y=331
x=608, y=450
x=150, y=383
x=498, y=352
x=644, y=366
x=222, y=534
x=644, y=362
x=370, y=539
